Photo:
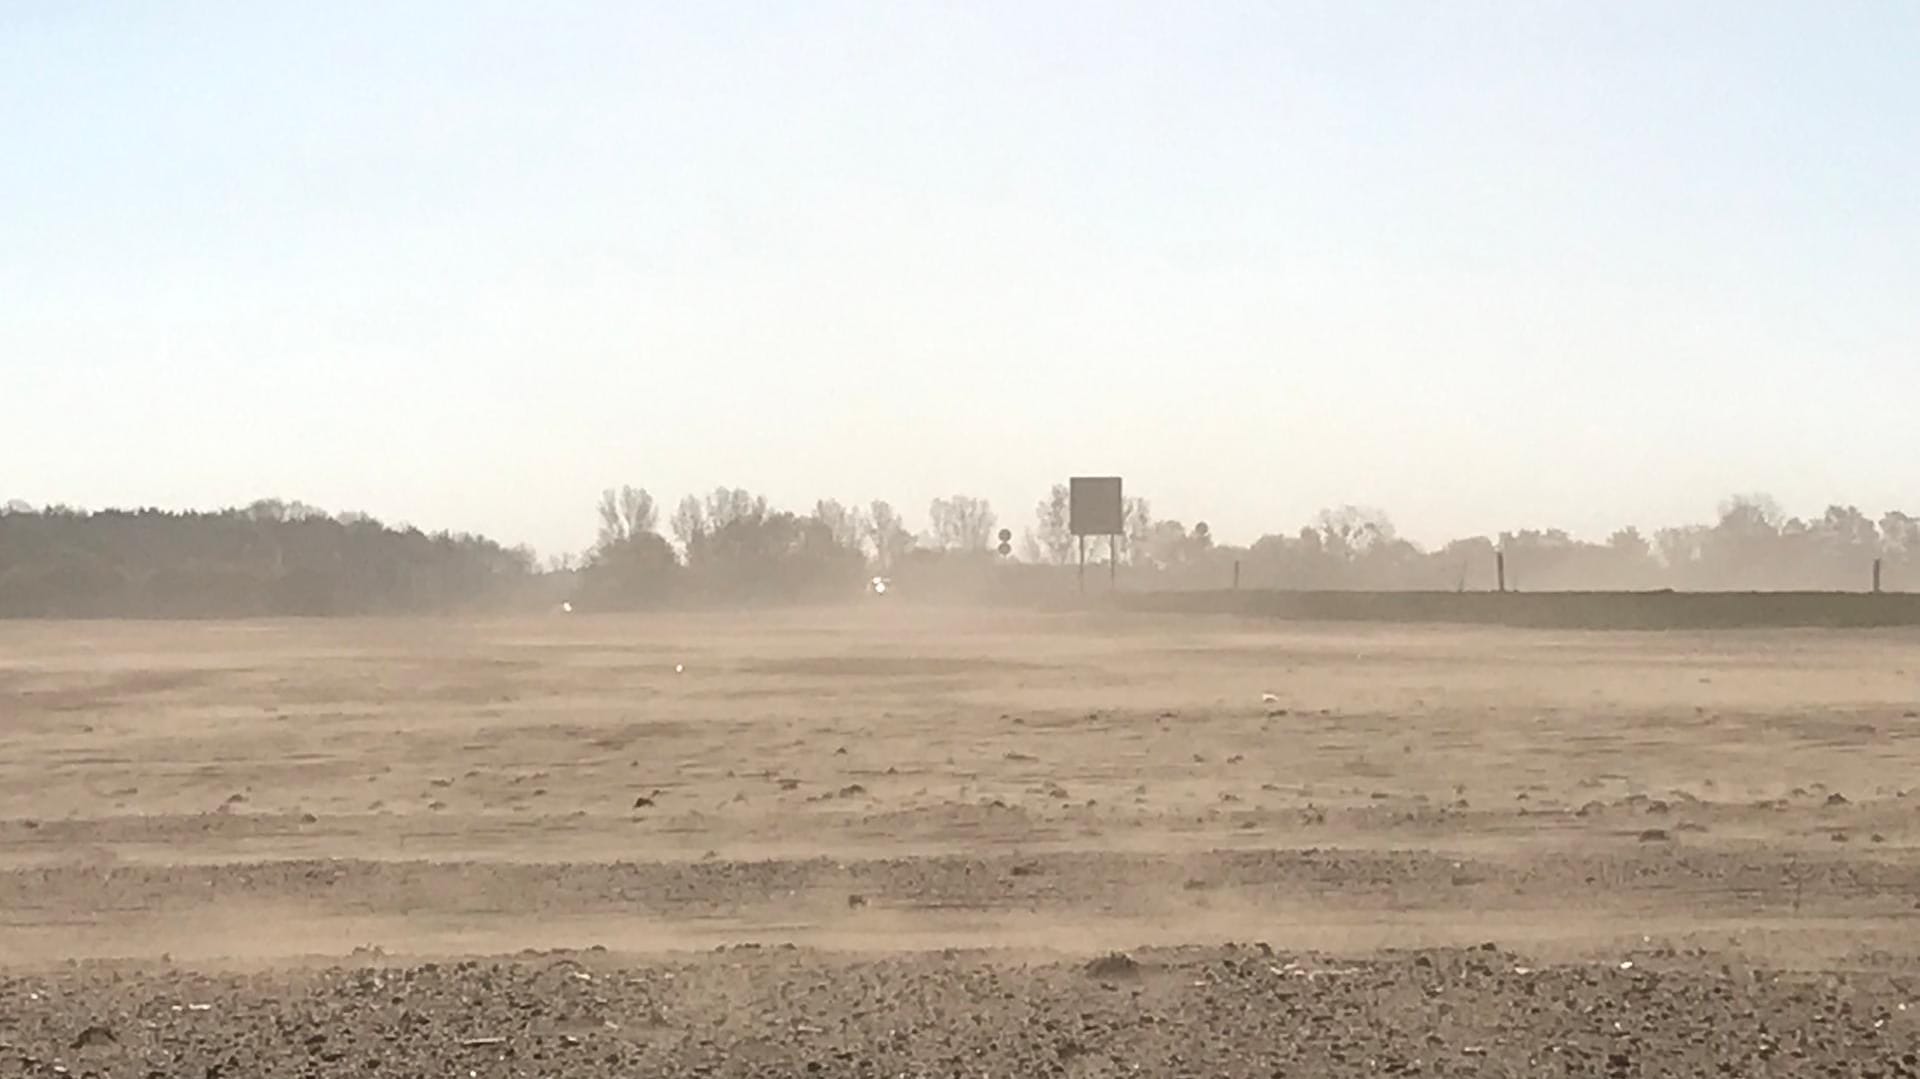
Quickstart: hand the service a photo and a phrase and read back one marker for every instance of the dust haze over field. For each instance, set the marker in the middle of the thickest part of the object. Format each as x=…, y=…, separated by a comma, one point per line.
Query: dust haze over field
x=541, y=542
x=733, y=548
x=890, y=838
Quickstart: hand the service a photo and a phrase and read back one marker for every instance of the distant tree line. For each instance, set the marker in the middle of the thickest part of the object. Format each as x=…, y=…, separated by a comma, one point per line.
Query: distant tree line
x=271, y=558
x=1752, y=546
x=732, y=546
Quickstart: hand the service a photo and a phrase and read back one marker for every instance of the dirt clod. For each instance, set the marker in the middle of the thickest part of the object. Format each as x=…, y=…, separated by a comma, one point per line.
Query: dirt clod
x=1114, y=965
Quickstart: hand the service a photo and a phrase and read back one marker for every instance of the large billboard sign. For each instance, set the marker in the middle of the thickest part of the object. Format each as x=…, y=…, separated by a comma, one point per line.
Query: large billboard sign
x=1095, y=507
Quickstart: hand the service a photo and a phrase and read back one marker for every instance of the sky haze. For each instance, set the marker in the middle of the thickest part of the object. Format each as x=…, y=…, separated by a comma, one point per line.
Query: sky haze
x=1485, y=266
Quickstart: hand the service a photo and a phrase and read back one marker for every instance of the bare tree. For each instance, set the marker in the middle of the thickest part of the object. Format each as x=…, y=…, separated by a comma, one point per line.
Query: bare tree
x=1899, y=533
x=1052, y=537
x=1682, y=548
x=961, y=523
x=1031, y=550
x=631, y=566
x=1750, y=514
x=1629, y=544
x=1138, y=517
x=624, y=515
x=887, y=537
x=1745, y=549
x=689, y=524
x=843, y=524
x=1169, y=545
x=729, y=504
x=1349, y=532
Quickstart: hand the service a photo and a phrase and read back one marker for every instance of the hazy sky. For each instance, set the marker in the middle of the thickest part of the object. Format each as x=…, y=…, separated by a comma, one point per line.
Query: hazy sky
x=463, y=264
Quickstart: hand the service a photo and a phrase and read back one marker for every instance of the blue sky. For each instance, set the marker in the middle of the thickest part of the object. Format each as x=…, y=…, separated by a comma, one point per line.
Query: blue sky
x=1486, y=266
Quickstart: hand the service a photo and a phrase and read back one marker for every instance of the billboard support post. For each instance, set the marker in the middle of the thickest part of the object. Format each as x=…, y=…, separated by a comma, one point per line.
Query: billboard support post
x=1096, y=507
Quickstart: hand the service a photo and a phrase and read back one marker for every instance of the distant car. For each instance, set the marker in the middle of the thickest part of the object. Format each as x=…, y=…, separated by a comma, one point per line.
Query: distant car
x=879, y=585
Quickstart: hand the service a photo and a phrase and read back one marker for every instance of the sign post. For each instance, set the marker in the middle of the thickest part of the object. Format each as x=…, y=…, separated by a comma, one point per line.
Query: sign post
x=1095, y=507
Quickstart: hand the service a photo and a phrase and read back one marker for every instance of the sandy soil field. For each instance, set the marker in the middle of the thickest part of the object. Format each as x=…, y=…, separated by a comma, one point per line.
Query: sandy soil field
x=901, y=841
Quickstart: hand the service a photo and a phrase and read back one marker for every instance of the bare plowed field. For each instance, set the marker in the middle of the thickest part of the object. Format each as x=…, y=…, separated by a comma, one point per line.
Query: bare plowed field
x=900, y=841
